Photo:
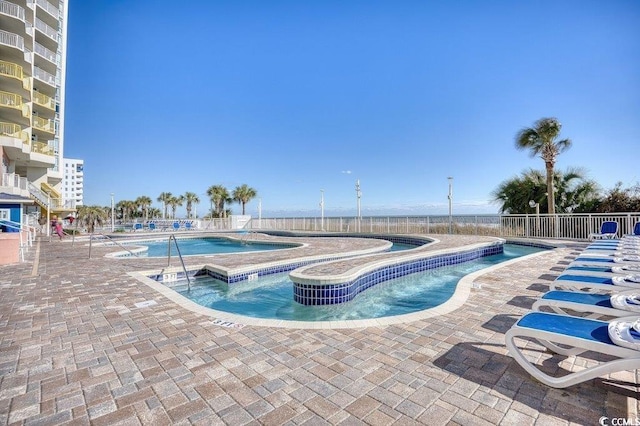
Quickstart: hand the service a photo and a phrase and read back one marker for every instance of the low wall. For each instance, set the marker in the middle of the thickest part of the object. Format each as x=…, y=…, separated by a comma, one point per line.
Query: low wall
x=9, y=247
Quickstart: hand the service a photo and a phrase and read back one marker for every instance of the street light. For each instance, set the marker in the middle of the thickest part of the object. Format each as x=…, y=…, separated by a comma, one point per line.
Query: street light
x=322, y=209
x=450, y=201
x=535, y=205
x=113, y=223
x=358, y=196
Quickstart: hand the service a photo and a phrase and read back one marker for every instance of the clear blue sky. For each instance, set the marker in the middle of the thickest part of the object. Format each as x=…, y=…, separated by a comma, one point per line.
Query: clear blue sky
x=291, y=97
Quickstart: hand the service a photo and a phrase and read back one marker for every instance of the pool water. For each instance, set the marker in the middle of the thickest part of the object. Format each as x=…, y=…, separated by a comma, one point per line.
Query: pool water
x=208, y=246
x=272, y=296
x=205, y=246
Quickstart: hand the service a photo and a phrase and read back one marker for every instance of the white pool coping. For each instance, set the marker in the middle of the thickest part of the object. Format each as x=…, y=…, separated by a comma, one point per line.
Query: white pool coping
x=458, y=299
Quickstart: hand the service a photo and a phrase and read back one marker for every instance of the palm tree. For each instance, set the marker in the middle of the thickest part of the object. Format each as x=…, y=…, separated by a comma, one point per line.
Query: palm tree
x=163, y=198
x=144, y=203
x=126, y=207
x=154, y=213
x=191, y=198
x=243, y=194
x=573, y=191
x=541, y=140
x=219, y=195
x=92, y=216
x=515, y=194
x=174, y=202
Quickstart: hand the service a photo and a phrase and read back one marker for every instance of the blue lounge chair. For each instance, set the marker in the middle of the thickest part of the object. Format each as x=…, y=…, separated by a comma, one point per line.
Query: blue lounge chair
x=187, y=226
x=608, y=230
x=137, y=227
x=616, y=338
x=620, y=304
x=176, y=225
x=636, y=232
x=595, y=283
x=152, y=226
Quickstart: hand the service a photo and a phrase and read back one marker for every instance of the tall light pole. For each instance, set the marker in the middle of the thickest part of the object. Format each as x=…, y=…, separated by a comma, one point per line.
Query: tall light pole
x=113, y=223
x=322, y=209
x=358, y=196
x=450, y=203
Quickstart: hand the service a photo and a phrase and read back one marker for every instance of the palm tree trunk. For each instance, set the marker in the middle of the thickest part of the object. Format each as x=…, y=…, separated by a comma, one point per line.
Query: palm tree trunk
x=551, y=199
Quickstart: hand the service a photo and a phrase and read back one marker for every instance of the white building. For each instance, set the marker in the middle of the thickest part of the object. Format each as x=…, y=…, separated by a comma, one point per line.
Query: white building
x=73, y=182
x=33, y=38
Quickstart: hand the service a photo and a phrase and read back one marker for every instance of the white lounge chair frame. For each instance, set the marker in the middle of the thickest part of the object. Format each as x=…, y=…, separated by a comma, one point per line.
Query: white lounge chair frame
x=629, y=358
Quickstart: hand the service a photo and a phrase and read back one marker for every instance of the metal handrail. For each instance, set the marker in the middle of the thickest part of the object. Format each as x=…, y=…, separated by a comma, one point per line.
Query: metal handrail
x=30, y=231
x=110, y=239
x=184, y=268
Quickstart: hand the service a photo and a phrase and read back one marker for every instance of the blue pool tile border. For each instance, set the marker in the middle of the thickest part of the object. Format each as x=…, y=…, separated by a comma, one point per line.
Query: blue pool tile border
x=331, y=294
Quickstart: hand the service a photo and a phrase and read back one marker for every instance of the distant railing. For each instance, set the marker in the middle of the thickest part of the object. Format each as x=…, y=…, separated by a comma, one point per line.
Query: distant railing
x=46, y=29
x=561, y=226
x=11, y=9
x=51, y=9
x=11, y=39
x=44, y=52
x=13, y=180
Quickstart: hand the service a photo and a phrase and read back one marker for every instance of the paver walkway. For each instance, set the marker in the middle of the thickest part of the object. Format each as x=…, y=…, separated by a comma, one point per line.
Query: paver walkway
x=75, y=349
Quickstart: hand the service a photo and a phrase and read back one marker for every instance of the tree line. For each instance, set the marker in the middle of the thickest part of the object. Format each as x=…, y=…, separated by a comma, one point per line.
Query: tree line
x=141, y=207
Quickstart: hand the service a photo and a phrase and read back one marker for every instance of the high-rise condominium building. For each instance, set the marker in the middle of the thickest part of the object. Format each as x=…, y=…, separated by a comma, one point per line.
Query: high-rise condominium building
x=33, y=36
x=73, y=182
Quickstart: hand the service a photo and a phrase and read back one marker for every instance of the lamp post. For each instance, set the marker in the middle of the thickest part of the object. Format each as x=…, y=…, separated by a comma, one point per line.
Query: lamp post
x=113, y=222
x=533, y=204
x=322, y=209
x=358, y=196
x=48, y=214
x=450, y=202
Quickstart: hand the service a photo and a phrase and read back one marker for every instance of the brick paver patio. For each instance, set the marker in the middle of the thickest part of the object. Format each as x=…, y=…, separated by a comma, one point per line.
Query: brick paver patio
x=75, y=349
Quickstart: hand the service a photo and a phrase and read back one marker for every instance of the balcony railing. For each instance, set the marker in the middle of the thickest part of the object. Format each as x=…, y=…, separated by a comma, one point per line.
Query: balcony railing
x=49, y=8
x=44, y=124
x=42, y=75
x=13, y=180
x=12, y=40
x=46, y=29
x=45, y=53
x=561, y=226
x=13, y=131
x=42, y=148
x=10, y=100
x=9, y=69
x=11, y=9
x=44, y=100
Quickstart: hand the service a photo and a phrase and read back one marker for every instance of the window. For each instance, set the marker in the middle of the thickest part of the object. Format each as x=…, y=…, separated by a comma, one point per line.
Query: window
x=5, y=214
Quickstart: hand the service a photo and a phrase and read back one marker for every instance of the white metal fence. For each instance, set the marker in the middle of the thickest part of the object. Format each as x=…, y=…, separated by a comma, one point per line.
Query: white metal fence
x=561, y=226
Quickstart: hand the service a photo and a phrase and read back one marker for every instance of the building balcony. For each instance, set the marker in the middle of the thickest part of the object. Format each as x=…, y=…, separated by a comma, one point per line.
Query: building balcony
x=12, y=40
x=42, y=148
x=12, y=10
x=42, y=75
x=47, y=30
x=43, y=124
x=49, y=8
x=15, y=71
x=12, y=130
x=45, y=53
x=44, y=101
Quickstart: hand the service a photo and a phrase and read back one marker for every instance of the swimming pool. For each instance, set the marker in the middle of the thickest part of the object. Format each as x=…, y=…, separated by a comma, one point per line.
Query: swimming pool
x=271, y=297
x=217, y=245
x=205, y=246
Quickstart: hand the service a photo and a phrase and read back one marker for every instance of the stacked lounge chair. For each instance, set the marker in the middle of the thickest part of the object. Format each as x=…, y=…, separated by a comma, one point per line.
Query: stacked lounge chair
x=597, y=310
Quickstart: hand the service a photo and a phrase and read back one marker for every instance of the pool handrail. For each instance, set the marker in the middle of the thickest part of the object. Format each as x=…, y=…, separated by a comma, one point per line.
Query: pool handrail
x=184, y=268
x=110, y=239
